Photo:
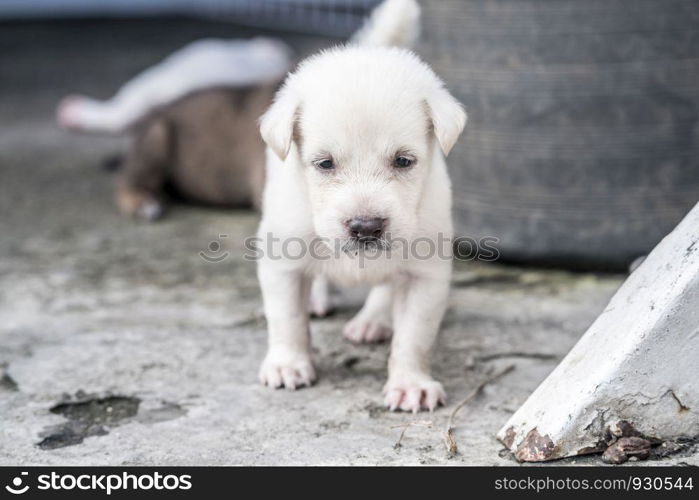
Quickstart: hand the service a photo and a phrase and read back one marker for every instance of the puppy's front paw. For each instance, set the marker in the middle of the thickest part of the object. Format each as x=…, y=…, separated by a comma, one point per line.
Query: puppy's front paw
x=362, y=331
x=413, y=392
x=287, y=369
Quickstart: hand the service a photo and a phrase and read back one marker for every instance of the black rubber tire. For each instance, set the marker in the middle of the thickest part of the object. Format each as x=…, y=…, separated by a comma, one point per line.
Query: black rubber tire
x=582, y=146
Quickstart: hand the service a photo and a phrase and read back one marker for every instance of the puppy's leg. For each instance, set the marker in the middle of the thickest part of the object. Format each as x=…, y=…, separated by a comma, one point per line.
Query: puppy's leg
x=285, y=295
x=373, y=322
x=320, y=305
x=139, y=184
x=419, y=305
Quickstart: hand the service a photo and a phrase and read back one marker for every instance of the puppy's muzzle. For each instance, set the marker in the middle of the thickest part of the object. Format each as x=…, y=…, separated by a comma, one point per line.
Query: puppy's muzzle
x=366, y=229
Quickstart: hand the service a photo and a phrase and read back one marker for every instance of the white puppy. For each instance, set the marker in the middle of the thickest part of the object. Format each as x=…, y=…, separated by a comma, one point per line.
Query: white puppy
x=357, y=139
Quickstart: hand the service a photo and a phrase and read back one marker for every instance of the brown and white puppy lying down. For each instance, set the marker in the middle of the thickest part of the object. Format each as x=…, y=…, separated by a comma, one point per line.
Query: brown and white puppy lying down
x=205, y=147
x=193, y=122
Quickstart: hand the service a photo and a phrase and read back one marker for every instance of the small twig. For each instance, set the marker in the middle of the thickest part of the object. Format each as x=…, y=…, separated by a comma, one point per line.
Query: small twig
x=419, y=423
x=449, y=440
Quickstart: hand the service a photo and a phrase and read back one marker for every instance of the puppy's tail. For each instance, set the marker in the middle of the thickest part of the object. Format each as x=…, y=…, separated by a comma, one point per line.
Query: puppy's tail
x=394, y=23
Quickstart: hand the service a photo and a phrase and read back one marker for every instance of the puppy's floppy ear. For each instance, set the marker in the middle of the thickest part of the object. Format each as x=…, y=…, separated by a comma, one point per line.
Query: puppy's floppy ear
x=277, y=124
x=448, y=117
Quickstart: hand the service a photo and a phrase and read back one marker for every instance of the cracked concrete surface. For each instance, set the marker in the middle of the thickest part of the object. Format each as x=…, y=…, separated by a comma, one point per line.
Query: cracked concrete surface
x=120, y=331
x=633, y=374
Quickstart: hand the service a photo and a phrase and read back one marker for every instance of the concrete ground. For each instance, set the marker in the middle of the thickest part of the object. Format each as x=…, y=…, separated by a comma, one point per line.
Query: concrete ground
x=121, y=345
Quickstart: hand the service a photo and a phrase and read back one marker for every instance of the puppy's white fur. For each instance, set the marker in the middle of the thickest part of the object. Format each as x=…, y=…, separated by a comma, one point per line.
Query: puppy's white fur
x=361, y=105
x=202, y=64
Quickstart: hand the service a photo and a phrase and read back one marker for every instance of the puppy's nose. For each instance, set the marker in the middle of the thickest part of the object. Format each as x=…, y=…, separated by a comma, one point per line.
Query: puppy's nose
x=366, y=228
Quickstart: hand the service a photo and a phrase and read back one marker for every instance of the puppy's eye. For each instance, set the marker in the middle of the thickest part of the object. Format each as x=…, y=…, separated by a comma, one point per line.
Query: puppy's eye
x=403, y=162
x=326, y=164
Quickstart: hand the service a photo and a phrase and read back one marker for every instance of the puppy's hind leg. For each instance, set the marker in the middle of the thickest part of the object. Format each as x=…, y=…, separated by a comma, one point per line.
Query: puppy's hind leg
x=320, y=304
x=373, y=322
x=140, y=182
x=419, y=305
